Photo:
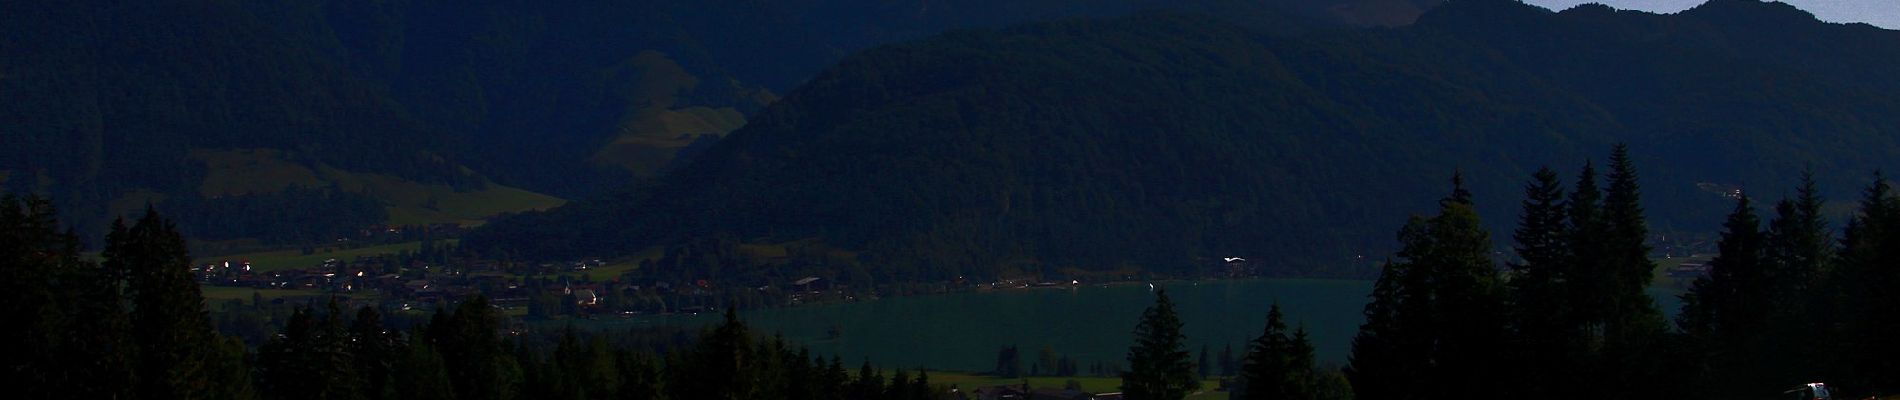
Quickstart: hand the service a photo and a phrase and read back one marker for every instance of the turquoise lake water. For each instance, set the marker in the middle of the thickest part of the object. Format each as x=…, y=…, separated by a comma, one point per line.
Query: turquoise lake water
x=963, y=331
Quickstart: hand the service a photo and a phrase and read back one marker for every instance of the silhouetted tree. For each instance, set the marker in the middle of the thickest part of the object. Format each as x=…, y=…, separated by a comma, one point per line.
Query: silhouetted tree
x=1159, y=366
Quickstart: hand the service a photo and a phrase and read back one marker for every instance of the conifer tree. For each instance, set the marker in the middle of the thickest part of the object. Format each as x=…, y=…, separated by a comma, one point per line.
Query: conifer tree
x=869, y=385
x=1725, y=313
x=466, y=338
x=1799, y=251
x=900, y=386
x=1275, y=366
x=1468, y=297
x=374, y=350
x=1433, y=320
x=1635, y=320
x=639, y=377
x=28, y=300
x=836, y=381
x=1800, y=248
x=1207, y=366
x=1227, y=363
x=1159, y=366
x=173, y=334
x=422, y=373
x=308, y=360
x=1864, y=354
x=1545, y=344
x=803, y=378
x=1377, y=368
x=920, y=388
x=1589, y=277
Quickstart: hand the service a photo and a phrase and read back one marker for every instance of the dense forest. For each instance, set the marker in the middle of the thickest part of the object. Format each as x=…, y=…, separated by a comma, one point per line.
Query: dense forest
x=135, y=325
x=560, y=98
x=1162, y=140
x=1565, y=316
x=1783, y=305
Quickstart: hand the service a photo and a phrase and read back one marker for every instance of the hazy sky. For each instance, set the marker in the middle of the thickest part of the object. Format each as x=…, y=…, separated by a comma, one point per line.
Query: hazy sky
x=1881, y=13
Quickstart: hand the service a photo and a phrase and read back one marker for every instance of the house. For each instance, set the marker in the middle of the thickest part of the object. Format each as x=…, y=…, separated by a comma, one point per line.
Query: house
x=1060, y=394
x=1000, y=393
x=586, y=297
x=1689, y=270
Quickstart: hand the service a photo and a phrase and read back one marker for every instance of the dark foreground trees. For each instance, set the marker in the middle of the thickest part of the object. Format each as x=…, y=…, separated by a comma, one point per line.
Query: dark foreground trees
x=133, y=325
x=1159, y=366
x=1784, y=305
x=1432, y=326
x=1281, y=366
x=1568, y=318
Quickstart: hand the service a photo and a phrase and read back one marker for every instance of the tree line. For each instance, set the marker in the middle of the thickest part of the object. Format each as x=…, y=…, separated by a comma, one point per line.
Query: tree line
x=1279, y=364
x=1783, y=304
x=134, y=325
x=1568, y=317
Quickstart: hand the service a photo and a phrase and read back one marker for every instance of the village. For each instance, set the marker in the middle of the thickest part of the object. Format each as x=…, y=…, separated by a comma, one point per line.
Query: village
x=539, y=291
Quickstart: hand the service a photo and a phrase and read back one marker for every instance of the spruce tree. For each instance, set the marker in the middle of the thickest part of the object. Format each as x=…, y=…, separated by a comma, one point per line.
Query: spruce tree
x=920, y=388
x=639, y=377
x=869, y=385
x=1433, y=323
x=1725, y=313
x=1227, y=363
x=466, y=338
x=1800, y=251
x=1305, y=366
x=1376, y=368
x=31, y=303
x=900, y=386
x=173, y=334
x=1864, y=354
x=422, y=373
x=374, y=350
x=1544, y=341
x=1800, y=248
x=1275, y=366
x=836, y=381
x=1634, y=331
x=1468, y=294
x=1159, y=366
x=1635, y=319
x=1589, y=281
x=1207, y=366
x=803, y=379
x=309, y=360
x=105, y=348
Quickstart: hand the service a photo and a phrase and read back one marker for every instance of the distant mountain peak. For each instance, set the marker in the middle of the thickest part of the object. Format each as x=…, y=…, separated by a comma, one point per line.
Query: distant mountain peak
x=1750, y=12
x=1477, y=13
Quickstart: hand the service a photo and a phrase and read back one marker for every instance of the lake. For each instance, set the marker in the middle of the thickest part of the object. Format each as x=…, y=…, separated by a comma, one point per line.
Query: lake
x=963, y=331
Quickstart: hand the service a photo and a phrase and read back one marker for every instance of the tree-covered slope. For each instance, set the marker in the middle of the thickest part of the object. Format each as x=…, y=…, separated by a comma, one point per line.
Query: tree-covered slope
x=106, y=102
x=1159, y=139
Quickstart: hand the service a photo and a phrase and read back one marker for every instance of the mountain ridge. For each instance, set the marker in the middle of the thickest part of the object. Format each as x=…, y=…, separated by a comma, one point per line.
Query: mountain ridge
x=1161, y=139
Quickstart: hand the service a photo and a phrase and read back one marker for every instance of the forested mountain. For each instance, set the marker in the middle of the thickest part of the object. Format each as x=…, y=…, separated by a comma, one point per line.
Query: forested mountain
x=1158, y=139
x=115, y=104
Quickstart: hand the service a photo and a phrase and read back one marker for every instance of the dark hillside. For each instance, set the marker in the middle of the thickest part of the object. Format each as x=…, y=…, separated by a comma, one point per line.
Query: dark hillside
x=1162, y=139
x=114, y=104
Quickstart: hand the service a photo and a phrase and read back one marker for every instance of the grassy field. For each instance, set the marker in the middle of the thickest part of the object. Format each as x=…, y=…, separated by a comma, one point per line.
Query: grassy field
x=240, y=171
x=967, y=382
x=295, y=259
x=221, y=293
x=609, y=272
x=1674, y=284
x=216, y=296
